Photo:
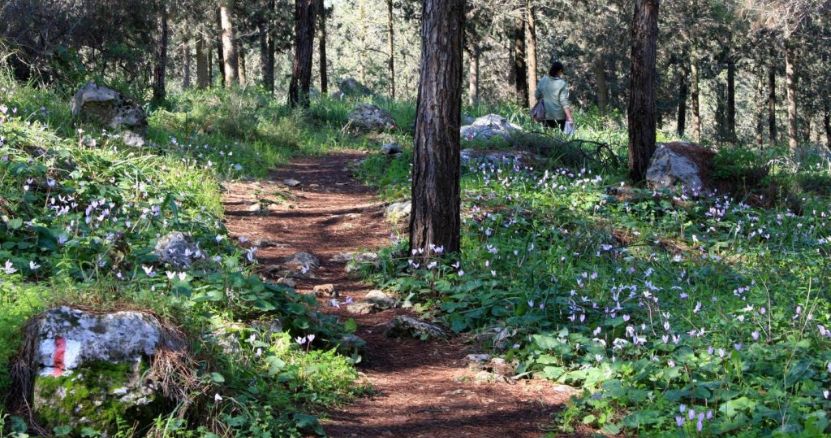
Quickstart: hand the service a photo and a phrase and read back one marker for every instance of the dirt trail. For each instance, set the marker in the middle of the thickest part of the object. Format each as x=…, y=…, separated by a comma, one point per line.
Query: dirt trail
x=422, y=389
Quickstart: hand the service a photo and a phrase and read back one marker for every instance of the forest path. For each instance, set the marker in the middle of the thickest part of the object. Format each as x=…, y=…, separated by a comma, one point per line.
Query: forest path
x=421, y=389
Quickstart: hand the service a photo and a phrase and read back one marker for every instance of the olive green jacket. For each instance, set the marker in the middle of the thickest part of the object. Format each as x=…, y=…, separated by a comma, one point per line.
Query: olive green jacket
x=554, y=91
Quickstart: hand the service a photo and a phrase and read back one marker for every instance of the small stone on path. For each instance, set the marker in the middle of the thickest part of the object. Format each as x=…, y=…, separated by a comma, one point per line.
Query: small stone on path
x=291, y=182
x=325, y=290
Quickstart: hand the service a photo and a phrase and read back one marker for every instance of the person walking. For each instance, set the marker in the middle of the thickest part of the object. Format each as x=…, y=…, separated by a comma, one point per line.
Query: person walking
x=553, y=90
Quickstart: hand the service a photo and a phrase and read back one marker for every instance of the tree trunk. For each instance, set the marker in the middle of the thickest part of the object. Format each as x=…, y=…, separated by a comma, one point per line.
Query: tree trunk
x=531, y=49
x=695, y=98
x=304, y=33
x=391, y=32
x=683, y=90
x=210, y=64
x=230, y=65
x=520, y=68
x=324, y=73
x=721, y=111
x=435, y=220
x=790, y=85
x=599, y=67
x=760, y=115
x=267, y=55
x=731, y=101
x=220, y=58
x=202, y=64
x=826, y=121
x=643, y=77
x=186, y=65
x=160, y=66
x=774, y=135
x=243, y=73
x=473, y=80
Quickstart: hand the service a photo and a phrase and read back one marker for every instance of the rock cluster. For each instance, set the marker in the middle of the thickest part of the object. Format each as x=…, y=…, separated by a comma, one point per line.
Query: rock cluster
x=488, y=127
x=370, y=118
x=111, y=109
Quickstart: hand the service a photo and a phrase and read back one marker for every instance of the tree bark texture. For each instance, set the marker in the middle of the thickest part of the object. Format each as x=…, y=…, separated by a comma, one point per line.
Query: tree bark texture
x=202, y=64
x=473, y=79
x=731, y=101
x=695, y=98
x=267, y=56
x=531, y=51
x=683, y=90
x=243, y=72
x=324, y=68
x=391, y=32
x=599, y=67
x=826, y=121
x=186, y=65
x=160, y=65
x=230, y=65
x=520, y=68
x=772, y=130
x=643, y=77
x=790, y=86
x=435, y=220
x=304, y=34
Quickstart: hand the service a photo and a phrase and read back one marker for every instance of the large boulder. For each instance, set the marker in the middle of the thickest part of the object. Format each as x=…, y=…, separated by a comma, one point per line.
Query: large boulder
x=369, y=118
x=680, y=164
x=398, y=211
x=488, y=127
x=407, y=326
x=87, y=369
x=109, y=108
x=349, y=87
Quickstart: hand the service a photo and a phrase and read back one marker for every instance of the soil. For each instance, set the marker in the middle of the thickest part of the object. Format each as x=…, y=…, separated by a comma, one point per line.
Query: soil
x=420, y=388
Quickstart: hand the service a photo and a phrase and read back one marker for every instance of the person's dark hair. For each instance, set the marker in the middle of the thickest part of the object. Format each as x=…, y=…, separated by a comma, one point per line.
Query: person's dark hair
x=556, y=68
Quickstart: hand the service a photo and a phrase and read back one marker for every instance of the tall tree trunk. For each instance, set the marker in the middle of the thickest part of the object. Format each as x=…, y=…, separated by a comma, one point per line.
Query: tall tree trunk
x=391, y=32
x=243, y=73
x=186, y=65
x=202, y=64
x=790, y=85
x=304, y=33
x=599, y=67
x=773, y=134
x=230, y=65
x=531, y=49
x=435, y=220
x=220, y=58
x=520, y=68
x=324, y=73
x=695, y=97
x=473, y=79
x=683, y=90
x=826, y=121
x=731, y=101
x=160, y=65
x=644, y=76
x=267, y=54
x=760, y=114
x=721, y=111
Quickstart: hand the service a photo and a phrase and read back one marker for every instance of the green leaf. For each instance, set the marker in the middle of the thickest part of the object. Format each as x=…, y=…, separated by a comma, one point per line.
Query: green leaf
x=350, y=326
x=217, y=378
x=15, y=224
x=275, y=365
x=732, y=407
x=610, y=429
x=589, y=419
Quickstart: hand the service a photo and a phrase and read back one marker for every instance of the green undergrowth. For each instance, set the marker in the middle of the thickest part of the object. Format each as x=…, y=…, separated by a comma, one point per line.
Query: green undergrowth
x=81, y=215
x=672, y=315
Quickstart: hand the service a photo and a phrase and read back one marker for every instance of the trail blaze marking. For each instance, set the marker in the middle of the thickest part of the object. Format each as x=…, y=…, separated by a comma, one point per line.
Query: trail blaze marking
x=57, y=361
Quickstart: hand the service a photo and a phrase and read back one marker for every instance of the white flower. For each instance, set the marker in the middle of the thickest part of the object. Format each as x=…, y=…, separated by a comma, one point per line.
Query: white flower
x=170, y=275
x=9, y=268
x=33, y=266
x=217, y=398
x=182, y=276
x=148, y=270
